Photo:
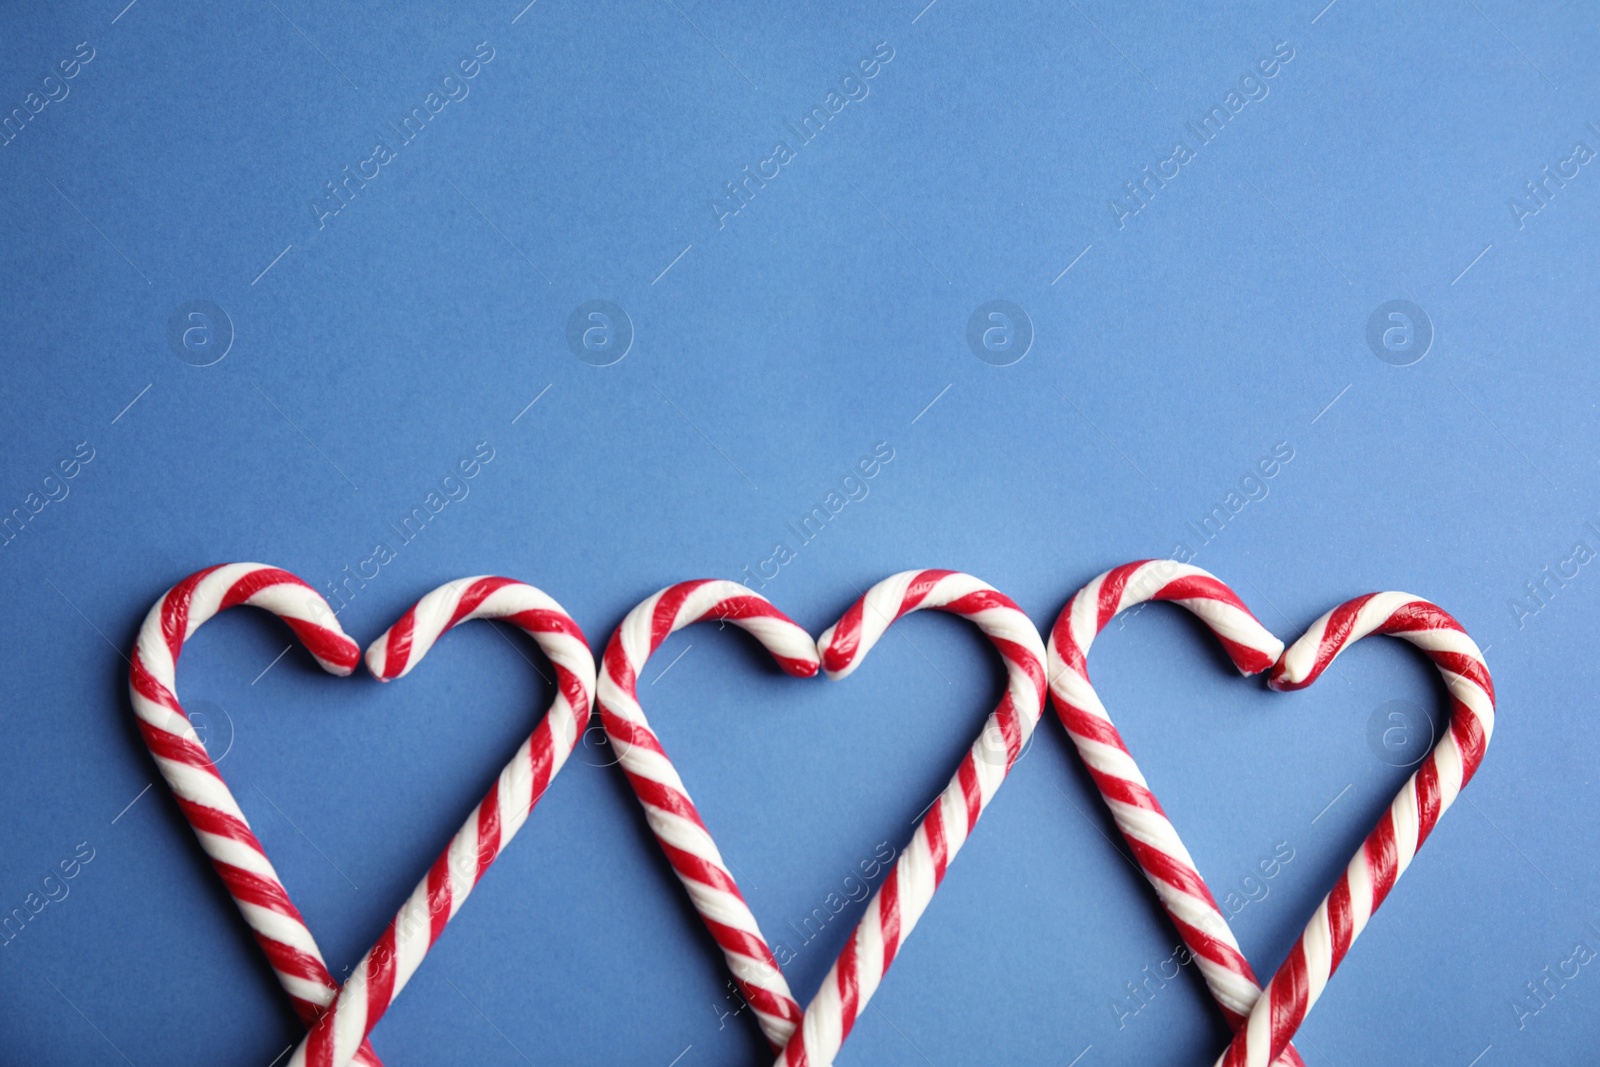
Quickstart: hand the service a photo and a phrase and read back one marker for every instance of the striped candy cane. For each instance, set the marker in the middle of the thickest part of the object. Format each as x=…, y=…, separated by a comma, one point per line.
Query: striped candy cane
x=1152, y=838
x=900, y=901
x=197, y=786
x=905, y=893
x=341, y=1031
x=1400, y=832
x=672, y=816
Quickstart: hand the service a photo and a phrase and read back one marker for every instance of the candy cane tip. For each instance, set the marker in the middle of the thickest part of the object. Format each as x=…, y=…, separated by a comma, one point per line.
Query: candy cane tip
x=344, y=660
x=1265, y=658
x=377, y=660
x=1283, y=678
x=801, y=668
x=836, y=665
x=834, y=662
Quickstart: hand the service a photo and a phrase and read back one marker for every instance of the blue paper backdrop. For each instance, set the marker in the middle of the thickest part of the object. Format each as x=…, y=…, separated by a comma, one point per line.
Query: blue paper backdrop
x=206, y=187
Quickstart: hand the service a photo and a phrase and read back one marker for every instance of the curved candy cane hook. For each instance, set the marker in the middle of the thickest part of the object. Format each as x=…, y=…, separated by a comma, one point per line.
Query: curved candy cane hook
x=905, y=893
x=672, y=816
x=1389, y=848
x=389, y=964
x=1162, y=857
x=901, y=900
x=203, y=797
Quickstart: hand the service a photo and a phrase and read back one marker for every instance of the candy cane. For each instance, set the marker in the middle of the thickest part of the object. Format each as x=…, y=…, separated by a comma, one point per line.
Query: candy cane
x=1144, y=825
x=197, y=786
x=1400, y=832
x=900, y=901
x=390, y=963
x=672, y=816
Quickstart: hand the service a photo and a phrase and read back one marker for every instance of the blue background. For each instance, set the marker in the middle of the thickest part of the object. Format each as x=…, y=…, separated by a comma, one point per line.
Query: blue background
x=375, y=351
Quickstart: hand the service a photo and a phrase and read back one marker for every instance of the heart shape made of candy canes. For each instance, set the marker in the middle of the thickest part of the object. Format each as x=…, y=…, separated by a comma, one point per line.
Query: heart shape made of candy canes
x=813, y=1038
x=1265, y=1021
x=339, y=1024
